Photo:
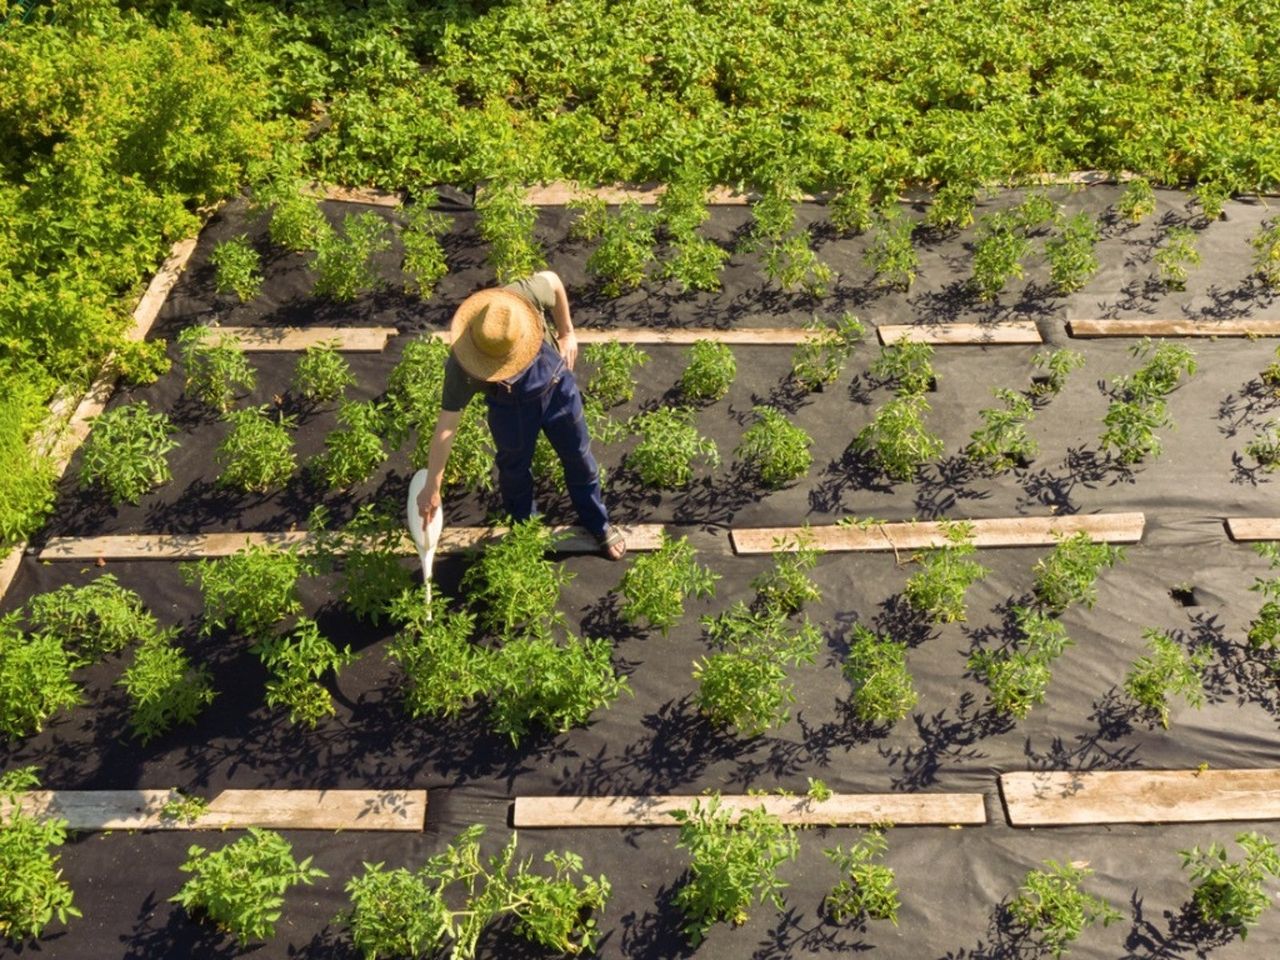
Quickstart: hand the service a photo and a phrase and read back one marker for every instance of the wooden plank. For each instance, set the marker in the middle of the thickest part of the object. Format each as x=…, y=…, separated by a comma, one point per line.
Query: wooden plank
x=1013, y=331
x=1062, y=798
x=1240, y=327
x=900, y=809
x=345, y=339
x=190, y=546
x=1000, y=532
x=757, y=336
x=1253, y=528
x=234, y=809
x=371, y=195
x=561, y=192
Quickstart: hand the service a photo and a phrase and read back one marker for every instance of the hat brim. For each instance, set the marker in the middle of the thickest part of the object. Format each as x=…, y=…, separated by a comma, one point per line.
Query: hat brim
x=483, y=366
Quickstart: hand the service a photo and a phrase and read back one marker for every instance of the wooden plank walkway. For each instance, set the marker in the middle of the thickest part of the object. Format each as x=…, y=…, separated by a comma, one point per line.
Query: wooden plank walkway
x=1063, y=798
x=1001, y=532
x=191, y=546
x=742, y=336
x=234, y=809
x=1013, y=331
x=344, y=339
x=1174, y=328
x=900, y=809
x=1253, y=528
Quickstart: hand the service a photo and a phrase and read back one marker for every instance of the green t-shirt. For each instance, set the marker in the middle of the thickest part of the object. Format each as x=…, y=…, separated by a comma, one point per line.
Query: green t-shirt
x=460, y=386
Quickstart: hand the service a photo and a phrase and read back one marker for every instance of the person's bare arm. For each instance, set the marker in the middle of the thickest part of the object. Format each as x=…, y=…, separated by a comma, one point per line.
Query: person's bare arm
x=437, y=457
x=567, y=339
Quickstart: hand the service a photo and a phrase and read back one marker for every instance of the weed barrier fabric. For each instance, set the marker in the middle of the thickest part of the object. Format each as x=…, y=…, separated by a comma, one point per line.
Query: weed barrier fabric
x=654, y=741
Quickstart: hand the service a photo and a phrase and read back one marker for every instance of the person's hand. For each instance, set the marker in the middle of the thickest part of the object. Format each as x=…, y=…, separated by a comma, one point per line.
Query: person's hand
x=428, y=504
x=569, y=348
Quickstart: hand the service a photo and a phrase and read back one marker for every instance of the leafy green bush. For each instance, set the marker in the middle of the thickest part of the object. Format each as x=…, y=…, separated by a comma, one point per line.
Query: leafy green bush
x=297, y=222
x=424, y=262
x=470, y=465
x=785, y=588
x=443, y=670
x=1175, y=255
x=614, y=363
x=237, y=267
x=906, y=364
x=731, y=863
x=1265, y=447
x=512, y=586
x=216, y=369
x=368, y=551
x=897, y=439
x=297, y=661
x=945, y=575
x=355, y=450
x=626, y=247
x=125, y=453
x=164, y=688
x=1052, y=910
x=1266, y=257
x=774, y=449
x=890, y=253
x=1070, y=253
x=1018, y=678
x=1067, y=575
x=792, y=264
x=1131, y=427
x=257, y=453
x=35, y=679
x=883, y=691
x=1231, y=895
x=851, y=208
x=506, y=224
x=253, y=590
x=669, y=442
x=695, y=262
x=343, y=264
x=868, y=889
x=709, y=372
x=952, y=207
x=997, y=254
x=416, y=384
x=93, y=620
x=1164, y=369
x=32, y=891
x=27, y=494
x=1001, y=443
x=321, y=373
x=1265, y=626
x=818, y=359
x=1167, y=670
x=1057, y=366
x=241, y=887
x=656, y=584
x=1137, y=201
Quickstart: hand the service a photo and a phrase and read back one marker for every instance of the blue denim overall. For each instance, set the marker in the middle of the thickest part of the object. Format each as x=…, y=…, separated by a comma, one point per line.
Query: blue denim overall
x=544, y=397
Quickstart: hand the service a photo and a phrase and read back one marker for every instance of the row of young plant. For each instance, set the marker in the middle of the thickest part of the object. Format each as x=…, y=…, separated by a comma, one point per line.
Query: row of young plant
x=458, y=894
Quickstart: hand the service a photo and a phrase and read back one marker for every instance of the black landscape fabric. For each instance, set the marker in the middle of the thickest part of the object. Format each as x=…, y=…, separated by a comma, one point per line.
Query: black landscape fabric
x=1185, y=578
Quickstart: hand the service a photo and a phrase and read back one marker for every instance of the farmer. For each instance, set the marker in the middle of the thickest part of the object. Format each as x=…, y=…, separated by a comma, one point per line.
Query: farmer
x=503, y=346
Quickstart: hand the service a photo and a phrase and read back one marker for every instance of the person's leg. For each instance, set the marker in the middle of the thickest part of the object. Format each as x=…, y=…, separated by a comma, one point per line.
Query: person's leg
x=515, y=431
x=566, y=428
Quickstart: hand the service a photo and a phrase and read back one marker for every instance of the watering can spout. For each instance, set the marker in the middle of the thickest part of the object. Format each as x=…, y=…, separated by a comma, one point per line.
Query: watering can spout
x=425, y=537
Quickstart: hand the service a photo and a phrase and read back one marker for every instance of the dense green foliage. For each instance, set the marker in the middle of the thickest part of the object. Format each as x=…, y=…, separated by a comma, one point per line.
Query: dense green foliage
x=1232, y=895
x=1052, y=911
x=126, y=452
x=92, y=620
x=164, y=688
x=32, y=891
x=656, y=584
x=35, y=679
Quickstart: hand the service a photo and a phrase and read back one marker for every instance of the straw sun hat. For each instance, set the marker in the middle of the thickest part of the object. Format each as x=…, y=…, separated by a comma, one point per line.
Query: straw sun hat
x=496, y=334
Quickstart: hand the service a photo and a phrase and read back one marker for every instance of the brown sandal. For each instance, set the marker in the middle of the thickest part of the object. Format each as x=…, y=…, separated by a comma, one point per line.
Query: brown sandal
x=613, y=546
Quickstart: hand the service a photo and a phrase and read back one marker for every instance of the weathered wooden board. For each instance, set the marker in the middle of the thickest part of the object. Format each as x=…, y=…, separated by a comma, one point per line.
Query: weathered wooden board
x=758, y=336
x=849, y=808
x=1000, y=532
x=1062, y=798
x=190, y=546
x=1253, y=528
x=1013, y=331
x=370, y=195
x=234, y=809
x=559, y=193
x=344, y=339
x=1240, y=327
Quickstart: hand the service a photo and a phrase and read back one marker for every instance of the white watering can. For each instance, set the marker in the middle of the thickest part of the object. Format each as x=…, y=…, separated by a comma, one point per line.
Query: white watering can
x=424, y=537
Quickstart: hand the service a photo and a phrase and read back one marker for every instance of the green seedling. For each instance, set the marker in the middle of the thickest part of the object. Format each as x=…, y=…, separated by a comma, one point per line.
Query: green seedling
x=592, y=213
x=355, y=450
x=669, y=444
x=731, y=863
x=1072, y=261
x=443, y=670
x=164, y=688
x=297, y=222
x=181, y=808
x=35, y=679
x=126, y=453
x=897, y=439
x=818, y=791
x=343, y=264
x=938, y=589
x=1067, y=575
x=785, y=588
x=695, y=263
x=821, y=355
x=367, y=551
x=1232, y=895
x=1266, y=256
x=1057, y=366
x=1053, y=911
x=890, y=253
x=1212, y=197
x=1034, y=212
x=1265, y=447
x=850, y=210
x=32, y=891
x=1002, y=442
x=1167, y=363
x=626, y=247
x=416, y=384
x=868, y=890
x=883, y=691
x=1175, y=256
x=513, y=587
x=296, y=663
x=506, y=224
x=1264, y=629
x=1138, y=201
x=237, y=267
x=252, y=590
x=907, y=365
x=1166, y=671
x=657, y=584
x=952, y=207
x=709, y=372
x=93, y=620
x=241, y=887
x=424, y=263
x=470, y=464
x=1270, y=375
x=322, y=373
x=1131, y=427
x=257, y=454
x=1017, y=679
x=216, y=369
x=997, y=254
x=792, y=264
x=614, y=363
x=774, y=449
